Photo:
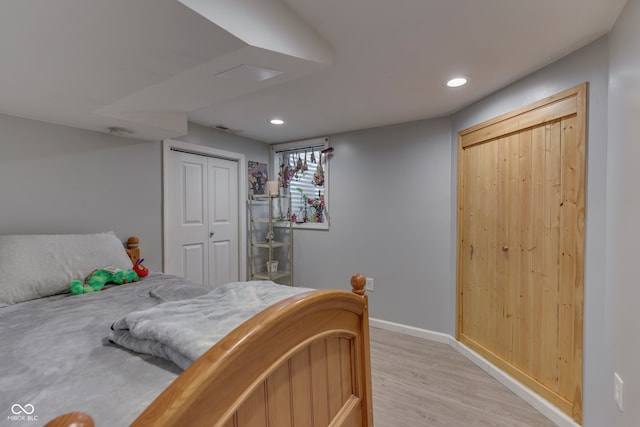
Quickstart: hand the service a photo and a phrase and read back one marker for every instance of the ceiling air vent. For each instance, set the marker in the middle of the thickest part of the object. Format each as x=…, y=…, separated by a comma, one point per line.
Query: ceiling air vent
x=116, y=131
x=224, y=128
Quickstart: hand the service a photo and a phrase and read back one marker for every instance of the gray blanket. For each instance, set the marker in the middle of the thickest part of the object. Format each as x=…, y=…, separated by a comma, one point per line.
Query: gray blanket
x=55, y=355
x=184, y=330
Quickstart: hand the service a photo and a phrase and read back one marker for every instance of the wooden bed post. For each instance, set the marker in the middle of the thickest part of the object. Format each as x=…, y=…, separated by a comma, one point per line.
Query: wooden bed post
x=72, y=419
x=133, y=249
x=358, y=285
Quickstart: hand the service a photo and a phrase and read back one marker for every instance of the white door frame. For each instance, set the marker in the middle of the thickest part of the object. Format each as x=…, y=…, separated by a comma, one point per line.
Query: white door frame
x=167, y=146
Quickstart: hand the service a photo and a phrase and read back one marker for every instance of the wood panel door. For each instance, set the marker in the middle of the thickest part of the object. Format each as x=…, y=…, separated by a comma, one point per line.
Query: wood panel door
x=521, y=184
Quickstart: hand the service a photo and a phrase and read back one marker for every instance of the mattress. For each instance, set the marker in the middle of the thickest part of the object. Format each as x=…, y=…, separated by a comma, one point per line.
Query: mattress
x=56, y=356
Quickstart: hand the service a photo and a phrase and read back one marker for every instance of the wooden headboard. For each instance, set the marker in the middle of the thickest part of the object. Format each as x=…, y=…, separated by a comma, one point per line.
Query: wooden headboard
x=133, y=249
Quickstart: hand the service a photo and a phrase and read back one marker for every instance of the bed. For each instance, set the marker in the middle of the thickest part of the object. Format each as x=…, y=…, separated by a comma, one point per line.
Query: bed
x=302, y=361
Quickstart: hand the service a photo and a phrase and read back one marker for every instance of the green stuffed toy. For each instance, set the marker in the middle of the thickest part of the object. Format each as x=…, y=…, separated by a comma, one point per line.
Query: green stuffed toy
x=99, y=278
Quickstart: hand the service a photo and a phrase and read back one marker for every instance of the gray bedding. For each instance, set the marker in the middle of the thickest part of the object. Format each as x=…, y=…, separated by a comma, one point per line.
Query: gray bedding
x=56, y=357
x=184, y=330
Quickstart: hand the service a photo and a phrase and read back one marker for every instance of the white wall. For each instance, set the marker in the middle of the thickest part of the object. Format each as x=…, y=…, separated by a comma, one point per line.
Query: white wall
x=623, y=218
x=390, y=218
x=253, y=150
x=58, y=179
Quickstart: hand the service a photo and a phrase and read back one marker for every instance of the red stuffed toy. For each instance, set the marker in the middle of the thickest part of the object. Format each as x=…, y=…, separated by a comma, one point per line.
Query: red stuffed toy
x=140, y=269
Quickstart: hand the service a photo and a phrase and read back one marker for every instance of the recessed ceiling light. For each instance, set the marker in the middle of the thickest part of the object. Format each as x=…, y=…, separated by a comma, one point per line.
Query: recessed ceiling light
x=457, y=82
x=277, y=122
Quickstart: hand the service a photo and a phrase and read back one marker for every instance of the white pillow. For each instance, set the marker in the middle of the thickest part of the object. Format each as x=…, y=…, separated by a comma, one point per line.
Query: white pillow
x=38, y=265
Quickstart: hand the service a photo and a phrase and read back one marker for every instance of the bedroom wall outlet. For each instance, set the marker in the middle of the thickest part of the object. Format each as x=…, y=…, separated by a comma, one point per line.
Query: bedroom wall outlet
x=618, y=388
x=369, y=286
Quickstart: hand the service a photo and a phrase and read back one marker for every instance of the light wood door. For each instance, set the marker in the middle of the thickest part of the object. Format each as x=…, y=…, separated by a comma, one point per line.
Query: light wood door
x=202, y=218
x=521, y=244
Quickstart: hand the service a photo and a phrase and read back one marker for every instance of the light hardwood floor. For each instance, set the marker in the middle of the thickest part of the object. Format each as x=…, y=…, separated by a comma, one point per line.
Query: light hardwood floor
x=417, y=382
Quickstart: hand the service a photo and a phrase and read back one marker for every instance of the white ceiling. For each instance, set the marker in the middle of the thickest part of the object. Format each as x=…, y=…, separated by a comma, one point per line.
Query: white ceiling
x=151, y=65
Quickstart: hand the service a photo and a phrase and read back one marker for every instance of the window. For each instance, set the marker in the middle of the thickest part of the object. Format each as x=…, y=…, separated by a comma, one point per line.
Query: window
x=303, y=173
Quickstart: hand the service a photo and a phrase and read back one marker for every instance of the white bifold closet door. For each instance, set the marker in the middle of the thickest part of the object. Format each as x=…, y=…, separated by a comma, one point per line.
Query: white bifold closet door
x=202, y=218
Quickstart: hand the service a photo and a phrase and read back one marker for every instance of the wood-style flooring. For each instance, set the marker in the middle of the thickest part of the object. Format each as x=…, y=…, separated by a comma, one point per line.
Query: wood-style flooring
x=417, y=382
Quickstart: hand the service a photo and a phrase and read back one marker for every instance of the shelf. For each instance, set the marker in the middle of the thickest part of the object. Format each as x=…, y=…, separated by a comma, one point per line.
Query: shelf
x=272, y=276
x=270, y=245
x=275, y=222
x=269, y=218
x=265, y=197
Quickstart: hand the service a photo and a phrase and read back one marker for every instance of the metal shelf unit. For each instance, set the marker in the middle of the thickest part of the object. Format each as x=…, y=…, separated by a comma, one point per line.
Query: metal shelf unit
x=270, y=238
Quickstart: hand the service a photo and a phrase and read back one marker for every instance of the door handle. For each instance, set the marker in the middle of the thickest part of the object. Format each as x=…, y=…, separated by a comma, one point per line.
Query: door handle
x=211, y=234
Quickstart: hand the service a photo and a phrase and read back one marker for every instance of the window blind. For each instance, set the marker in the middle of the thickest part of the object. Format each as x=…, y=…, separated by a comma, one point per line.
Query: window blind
x=302, y=173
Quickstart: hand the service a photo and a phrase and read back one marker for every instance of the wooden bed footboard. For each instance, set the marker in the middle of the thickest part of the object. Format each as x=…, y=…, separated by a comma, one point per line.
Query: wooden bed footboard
x=302, y=362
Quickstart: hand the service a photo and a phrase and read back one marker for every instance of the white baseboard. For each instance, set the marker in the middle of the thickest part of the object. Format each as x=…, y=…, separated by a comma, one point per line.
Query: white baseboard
x=541, y=405
x=414, y=332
